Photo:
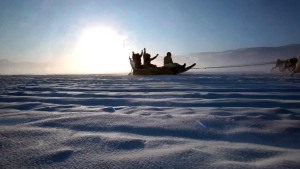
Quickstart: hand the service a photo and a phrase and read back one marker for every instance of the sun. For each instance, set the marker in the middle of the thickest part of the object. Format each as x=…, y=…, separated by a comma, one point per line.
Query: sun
x=101, y=50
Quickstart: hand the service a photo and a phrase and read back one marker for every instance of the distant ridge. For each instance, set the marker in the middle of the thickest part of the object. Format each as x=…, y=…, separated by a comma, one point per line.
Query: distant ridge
x=10, y=67
x=203, y=59
x=244, y=56
x=284, y=47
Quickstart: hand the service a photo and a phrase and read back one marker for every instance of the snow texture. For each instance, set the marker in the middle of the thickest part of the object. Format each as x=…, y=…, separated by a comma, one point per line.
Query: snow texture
x=199, y=120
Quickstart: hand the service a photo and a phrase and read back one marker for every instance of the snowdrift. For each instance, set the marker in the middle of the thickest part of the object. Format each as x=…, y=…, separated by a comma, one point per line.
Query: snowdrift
x=185, y=121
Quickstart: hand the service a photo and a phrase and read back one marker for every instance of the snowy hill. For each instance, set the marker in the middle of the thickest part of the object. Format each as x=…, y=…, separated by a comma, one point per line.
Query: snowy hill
x=10, y=67
x=243, y=56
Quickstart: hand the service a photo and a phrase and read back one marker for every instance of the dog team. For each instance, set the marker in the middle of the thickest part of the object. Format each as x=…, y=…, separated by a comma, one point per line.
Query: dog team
x=292, y=65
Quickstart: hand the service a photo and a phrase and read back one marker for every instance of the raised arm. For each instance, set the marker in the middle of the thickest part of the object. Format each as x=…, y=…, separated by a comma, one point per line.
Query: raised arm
x=154, y=57
x=141, y=53
x=144, y=52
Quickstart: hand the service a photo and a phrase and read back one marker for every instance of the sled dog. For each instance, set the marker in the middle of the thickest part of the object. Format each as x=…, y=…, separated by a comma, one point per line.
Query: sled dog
x=292, y=64
x=297, y=67
x=281, y=65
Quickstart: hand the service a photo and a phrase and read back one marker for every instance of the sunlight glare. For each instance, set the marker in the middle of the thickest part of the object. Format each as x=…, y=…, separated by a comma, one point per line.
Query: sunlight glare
x=101, y=50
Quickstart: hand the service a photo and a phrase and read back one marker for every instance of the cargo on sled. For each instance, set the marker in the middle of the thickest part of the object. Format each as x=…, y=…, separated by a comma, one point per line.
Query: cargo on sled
x=158, y=70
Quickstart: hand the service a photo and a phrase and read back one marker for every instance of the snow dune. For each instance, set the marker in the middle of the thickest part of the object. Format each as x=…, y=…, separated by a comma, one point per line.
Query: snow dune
x=184, y=121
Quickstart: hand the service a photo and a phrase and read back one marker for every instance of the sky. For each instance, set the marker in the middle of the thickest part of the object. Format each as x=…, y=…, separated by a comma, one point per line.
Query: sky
x=66, y=31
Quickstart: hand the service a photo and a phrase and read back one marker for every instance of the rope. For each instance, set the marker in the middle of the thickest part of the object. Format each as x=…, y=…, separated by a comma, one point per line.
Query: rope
x=244, y=65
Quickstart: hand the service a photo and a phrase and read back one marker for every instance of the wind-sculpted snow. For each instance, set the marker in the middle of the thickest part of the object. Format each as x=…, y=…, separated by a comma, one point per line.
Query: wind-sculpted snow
x=184, y=121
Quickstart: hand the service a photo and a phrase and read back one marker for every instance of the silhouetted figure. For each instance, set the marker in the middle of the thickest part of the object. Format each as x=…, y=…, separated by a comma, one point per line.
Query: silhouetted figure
x=168, y=62
x=148, y=59
x=137, y=58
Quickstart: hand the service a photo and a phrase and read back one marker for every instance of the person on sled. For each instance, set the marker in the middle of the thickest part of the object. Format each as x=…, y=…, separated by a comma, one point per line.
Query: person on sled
x=148, y=59
x=137, y=58
x=168, y=62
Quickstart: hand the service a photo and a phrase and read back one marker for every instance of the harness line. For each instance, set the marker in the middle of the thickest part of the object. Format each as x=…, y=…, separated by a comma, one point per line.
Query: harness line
x=244, y=65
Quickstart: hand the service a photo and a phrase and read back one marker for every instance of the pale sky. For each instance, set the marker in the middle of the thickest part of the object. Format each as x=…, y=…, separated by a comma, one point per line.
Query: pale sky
x=53, y=30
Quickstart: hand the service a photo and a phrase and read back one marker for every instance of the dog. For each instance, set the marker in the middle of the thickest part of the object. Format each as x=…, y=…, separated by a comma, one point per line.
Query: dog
x=292, y=64
x=297, y=67
x=281, y=65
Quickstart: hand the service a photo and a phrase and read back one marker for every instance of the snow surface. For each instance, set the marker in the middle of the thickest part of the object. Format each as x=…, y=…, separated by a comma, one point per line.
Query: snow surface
x=186, y=121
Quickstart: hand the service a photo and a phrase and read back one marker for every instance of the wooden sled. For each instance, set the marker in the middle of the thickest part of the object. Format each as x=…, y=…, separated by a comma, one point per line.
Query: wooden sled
x=159, y=70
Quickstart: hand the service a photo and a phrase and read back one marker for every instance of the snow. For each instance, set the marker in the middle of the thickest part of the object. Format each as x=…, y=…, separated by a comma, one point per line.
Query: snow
x=193, y=120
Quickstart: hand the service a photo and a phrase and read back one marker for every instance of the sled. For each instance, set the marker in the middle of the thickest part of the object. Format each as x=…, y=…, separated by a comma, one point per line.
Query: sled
x=159, y=70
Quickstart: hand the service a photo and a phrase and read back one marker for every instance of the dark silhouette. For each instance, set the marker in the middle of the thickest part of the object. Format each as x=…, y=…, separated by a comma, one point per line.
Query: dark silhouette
x=137, y=58
x=168, y=62
x=297, y=66
x=148, y=59
x=292, y=63
x=283, y=65
x=170, y=68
